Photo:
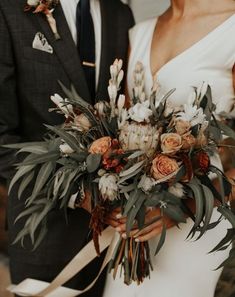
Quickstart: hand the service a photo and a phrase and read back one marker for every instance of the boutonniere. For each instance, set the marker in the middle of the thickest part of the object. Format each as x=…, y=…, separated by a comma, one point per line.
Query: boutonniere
x=47, y=8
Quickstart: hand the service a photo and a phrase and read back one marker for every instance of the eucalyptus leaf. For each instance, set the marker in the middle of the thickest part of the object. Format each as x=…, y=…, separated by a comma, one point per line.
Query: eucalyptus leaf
x=133, y=212
x=226, y=129
x=36, y=149
x=199, y=200
x=228, y=214
x=175, y=213
x=23, y=170
x=132, y=169
x=42, y=178
x=24, y=183
x=93, y=162
x=161, y=240
x=42, y=158
x=67, y=137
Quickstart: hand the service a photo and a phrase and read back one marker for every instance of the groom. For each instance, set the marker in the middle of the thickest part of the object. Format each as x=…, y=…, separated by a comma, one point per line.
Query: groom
x=92, y=34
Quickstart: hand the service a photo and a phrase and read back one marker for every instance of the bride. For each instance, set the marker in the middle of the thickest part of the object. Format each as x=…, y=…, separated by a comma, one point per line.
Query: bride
x=192, y=42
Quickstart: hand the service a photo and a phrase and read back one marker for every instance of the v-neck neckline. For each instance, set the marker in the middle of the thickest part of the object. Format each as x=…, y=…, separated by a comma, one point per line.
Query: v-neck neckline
x=185, y=51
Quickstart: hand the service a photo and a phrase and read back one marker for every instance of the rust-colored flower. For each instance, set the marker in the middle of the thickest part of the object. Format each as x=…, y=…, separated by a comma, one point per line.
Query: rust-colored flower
x=203, y=161
x=171, y=143
x=111, y=159
x=101, y=145
x=163, y=167
x=188, y=141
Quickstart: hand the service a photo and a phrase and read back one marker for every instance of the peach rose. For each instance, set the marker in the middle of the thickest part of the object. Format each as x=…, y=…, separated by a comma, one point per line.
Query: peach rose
x=101, y=146
x=182, y=127
x=171, y=143
x=163, y=166
x=188, y=141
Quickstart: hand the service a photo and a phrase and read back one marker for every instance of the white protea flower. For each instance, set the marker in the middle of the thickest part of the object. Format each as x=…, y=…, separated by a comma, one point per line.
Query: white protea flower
x=66, y=149
x=146, y=183
x=62, y=104
x=81, y=123
x=108, y=186
x=144, y=137
x=192, y=114
x=140, y=112
x=177, y=190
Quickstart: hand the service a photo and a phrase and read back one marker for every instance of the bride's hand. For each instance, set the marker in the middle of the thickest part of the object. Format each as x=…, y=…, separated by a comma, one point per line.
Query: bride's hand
x=151, y=230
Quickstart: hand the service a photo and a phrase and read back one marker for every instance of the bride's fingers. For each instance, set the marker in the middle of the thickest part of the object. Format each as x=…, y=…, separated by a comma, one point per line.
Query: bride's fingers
x=136, y=232
x=153, y=233
x=111, y=222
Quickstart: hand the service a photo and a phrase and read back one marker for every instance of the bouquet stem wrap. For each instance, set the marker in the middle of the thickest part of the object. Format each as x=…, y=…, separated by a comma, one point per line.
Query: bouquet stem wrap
x=35, y=288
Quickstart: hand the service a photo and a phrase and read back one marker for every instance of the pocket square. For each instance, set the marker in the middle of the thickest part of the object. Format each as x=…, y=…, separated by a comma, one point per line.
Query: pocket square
x=40, y=43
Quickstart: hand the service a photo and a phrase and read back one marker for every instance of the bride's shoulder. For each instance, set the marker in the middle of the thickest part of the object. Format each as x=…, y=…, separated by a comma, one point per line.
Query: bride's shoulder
x=142, y=28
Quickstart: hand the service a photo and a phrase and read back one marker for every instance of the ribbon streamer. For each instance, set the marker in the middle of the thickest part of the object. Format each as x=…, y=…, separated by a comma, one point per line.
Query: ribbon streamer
x=35, y=288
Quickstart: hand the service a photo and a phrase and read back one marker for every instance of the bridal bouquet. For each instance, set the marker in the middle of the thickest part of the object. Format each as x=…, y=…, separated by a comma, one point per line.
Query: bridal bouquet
x=136, y=154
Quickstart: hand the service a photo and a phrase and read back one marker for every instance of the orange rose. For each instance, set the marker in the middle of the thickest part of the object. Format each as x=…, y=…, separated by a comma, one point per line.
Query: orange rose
x=182, y=127
x=171, y=143
x=101, y=146
x=188, y=141
x=163, y=166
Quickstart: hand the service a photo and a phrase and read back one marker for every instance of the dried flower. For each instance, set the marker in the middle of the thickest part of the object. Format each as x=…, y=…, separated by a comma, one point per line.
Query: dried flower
x=108, y=186
x=144, y=137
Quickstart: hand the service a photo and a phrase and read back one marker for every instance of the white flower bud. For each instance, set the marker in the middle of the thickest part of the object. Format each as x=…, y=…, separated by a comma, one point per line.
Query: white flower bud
x=33, y=2
x=177, y=190
x=112, y=90
x=121, y=102
x=146, y=183
x=120, y=77
x=120, y=64
x=66, y=149
x=62, y=104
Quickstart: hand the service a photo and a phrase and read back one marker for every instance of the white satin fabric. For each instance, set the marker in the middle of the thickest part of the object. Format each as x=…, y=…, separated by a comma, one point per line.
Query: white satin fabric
x=184, y=268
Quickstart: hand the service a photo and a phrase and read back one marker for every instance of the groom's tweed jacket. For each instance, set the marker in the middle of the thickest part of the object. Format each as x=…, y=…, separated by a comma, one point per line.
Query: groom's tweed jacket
x=27, y=79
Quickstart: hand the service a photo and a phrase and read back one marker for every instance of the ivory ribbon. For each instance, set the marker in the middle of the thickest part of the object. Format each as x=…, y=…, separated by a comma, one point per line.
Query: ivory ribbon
x=35, y=288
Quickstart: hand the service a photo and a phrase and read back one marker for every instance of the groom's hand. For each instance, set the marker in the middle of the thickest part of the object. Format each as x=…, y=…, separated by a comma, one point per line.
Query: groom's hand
x=151, y=230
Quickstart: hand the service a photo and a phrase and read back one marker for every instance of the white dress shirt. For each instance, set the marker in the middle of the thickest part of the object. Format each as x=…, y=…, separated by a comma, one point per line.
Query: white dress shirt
x=69, y=8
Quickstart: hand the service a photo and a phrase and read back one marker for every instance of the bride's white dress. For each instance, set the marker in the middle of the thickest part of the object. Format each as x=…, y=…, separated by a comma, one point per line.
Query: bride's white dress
x=184, y=268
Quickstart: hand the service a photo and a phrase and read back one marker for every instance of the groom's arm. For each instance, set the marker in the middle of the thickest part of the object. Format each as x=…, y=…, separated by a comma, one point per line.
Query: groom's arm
x=9, y=112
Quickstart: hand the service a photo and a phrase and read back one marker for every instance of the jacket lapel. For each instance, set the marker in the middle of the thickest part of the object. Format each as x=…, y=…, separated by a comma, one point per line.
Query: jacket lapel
x=66, y=51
